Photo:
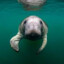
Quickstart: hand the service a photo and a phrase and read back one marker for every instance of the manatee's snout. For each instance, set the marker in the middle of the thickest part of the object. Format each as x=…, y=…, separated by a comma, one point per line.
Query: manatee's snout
x=33, y=36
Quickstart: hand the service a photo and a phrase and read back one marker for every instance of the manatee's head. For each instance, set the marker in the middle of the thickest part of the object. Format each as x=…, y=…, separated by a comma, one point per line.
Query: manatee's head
x=33, y=27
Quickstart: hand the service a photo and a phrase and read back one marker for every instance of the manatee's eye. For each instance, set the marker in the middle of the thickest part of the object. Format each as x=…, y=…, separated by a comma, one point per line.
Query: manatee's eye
x=40, y=22
x=25, y=22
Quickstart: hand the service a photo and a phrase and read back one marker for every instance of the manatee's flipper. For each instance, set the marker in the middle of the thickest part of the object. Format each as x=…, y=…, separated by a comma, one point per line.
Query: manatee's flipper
x=43, y=44
x=45, y=30
x=15, y=41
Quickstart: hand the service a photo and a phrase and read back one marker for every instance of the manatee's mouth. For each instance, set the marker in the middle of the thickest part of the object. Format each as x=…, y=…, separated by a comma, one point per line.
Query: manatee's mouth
x=33, y=36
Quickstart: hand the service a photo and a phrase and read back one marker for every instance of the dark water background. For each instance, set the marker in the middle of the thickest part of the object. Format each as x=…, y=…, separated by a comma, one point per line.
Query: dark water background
x=11, y=15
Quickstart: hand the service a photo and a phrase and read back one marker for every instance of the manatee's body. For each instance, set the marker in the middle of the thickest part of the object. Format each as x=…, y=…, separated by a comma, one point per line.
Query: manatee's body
x=31, y=28
x=32, y=4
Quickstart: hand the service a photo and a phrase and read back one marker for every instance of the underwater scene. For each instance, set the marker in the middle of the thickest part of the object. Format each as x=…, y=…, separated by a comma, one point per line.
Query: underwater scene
x=12, y=13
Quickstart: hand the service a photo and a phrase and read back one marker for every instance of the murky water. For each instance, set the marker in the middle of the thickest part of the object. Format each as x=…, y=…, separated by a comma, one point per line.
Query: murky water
x=11, y=15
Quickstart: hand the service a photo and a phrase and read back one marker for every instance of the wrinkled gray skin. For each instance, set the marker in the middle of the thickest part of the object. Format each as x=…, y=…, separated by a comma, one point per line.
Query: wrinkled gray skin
x=32, y=3
x=31, y=26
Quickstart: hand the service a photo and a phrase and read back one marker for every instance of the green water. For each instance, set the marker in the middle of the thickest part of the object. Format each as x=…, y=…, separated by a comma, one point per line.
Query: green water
x=11, y=15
